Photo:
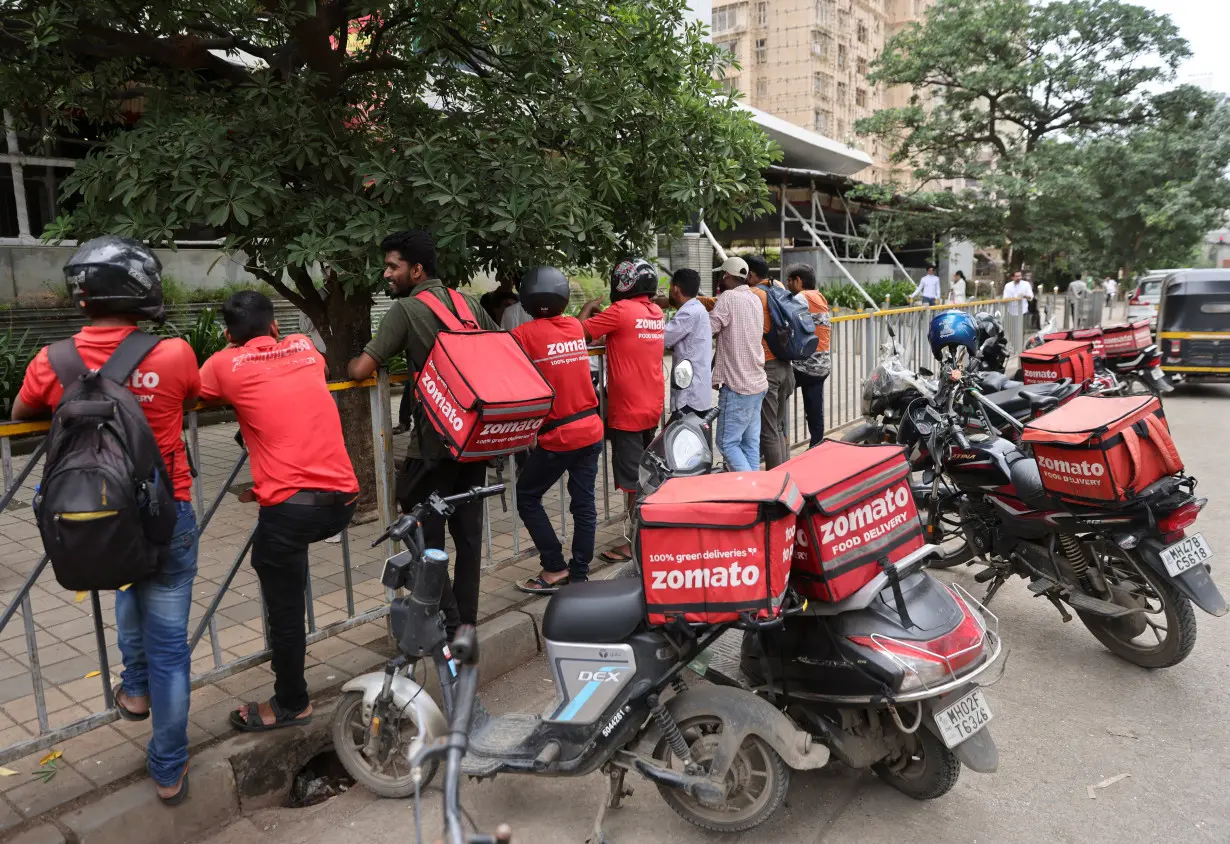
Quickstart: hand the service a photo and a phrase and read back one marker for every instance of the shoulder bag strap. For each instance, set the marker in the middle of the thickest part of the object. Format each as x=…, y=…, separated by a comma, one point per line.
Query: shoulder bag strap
x=1160, y=437
x=128, y=355
x=451, y=321
x=66, y=362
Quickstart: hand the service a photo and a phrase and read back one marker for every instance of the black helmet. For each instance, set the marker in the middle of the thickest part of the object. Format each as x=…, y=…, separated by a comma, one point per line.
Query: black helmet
x=633, y=277
x=116, y=275
x=989, y=325
x=544, y=292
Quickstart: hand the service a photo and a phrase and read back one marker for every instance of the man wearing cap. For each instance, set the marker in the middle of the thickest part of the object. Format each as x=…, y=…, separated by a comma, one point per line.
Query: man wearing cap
x=736, y=318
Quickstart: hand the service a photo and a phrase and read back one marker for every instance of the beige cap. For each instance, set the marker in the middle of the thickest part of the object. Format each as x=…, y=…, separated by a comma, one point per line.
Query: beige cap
x=735, y=266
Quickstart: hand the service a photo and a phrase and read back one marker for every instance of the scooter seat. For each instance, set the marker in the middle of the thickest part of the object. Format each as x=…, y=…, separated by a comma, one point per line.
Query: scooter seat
x=996, y=382
x=601, y=612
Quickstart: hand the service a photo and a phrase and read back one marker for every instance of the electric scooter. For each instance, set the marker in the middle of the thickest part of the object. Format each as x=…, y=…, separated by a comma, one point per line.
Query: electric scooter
x=720, y=757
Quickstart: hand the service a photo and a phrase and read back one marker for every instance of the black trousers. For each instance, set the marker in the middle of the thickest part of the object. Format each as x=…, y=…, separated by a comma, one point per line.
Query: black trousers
x=418, y=479
x=280, y=558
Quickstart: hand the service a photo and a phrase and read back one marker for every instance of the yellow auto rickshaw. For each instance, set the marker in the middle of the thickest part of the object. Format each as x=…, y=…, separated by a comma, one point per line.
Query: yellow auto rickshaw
x=1193, y=325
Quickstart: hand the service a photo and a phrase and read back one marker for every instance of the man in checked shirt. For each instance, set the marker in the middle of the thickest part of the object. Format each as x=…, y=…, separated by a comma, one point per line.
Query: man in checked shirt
x=737, y=320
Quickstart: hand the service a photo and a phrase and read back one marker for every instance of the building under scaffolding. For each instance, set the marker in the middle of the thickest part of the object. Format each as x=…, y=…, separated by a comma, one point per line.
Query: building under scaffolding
x=816, y=223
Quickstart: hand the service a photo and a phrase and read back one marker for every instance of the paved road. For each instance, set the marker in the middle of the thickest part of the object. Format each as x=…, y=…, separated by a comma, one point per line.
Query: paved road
x=1067, y=715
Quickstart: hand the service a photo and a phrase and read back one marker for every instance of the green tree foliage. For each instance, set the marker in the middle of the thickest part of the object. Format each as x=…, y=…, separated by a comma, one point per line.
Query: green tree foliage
x=996, y=84
x=302, y=131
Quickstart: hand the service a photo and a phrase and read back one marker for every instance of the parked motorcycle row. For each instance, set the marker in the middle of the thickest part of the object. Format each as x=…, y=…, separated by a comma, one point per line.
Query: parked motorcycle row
x=804, y=597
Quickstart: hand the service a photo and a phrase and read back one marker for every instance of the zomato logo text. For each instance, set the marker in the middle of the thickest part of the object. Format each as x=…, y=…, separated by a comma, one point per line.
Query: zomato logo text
x=870, y=514
x=1083, y=469
x=706, y=578
x=433, y=385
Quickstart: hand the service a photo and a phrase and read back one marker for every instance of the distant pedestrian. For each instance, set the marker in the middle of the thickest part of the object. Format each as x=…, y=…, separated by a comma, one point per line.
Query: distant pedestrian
x=774, y=446
x=957, y=295
x=570, y=440
x=689, y=337
x=1021, y=290
x=737, y=320
x=811, y=373
x=494, y=302
x=1111, y=287
x=928, y=288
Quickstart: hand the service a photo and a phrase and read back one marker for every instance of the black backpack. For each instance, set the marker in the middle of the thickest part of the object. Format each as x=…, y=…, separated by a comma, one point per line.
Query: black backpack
x=106, y=505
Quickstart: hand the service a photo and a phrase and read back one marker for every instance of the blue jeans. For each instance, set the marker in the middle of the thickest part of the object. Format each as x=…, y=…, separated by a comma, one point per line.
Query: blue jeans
x=738, y=431
x=151, y=620
x=542, y=470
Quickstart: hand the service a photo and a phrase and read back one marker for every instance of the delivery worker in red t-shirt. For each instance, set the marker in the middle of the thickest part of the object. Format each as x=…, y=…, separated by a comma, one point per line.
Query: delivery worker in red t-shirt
x=117, y=282
x=636, y=390
x=304, y=482
x=570, y=439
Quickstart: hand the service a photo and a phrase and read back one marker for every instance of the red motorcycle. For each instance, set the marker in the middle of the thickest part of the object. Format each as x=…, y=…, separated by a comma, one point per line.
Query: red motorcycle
x=1092, y=508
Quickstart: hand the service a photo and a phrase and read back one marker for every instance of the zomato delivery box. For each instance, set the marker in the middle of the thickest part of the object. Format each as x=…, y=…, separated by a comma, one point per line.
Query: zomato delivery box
x=858, y=518
x=715, y=547
x=478, y=389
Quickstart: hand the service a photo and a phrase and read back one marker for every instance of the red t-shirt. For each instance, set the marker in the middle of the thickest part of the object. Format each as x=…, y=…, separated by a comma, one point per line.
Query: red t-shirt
x=557, y=347
x=635, y=387
x=289, y=421
x=162, y=383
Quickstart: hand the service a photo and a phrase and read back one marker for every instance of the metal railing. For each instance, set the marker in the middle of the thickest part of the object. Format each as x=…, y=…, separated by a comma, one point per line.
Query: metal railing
x=855, y=346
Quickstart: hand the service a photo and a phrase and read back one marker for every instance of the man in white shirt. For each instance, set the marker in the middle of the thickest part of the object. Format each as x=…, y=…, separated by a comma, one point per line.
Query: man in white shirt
x=1019, y=289
x=1111, y=287
x=928, y=288
x=513, y=316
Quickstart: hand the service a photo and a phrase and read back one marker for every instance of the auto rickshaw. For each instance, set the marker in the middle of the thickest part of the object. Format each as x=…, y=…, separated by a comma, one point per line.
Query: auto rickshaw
x=1193, y=325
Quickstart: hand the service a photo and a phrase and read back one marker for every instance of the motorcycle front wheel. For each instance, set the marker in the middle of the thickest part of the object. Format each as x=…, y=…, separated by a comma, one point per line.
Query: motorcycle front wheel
x=390, y=775
x=756, y=783
x=1161, y=636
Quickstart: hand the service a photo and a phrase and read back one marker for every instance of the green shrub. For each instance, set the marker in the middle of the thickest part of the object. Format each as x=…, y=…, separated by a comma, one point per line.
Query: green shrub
x=16, y=352
x=204, y=335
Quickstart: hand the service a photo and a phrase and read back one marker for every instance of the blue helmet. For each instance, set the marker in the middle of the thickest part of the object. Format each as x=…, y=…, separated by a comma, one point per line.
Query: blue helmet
x=951, y=330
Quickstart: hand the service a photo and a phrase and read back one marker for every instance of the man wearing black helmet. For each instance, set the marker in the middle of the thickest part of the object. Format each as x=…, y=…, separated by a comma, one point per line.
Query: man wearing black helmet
x=570, y=440
x=636, y=389
x=117, y=282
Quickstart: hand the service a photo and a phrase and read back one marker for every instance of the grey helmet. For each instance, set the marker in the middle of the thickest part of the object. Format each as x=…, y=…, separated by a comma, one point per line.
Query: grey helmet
x=544, y=292
x=116, y=275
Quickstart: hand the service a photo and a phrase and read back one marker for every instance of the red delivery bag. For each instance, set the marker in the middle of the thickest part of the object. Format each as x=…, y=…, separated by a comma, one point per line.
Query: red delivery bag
x=479, y=390
x=1056, y=360
x=715, y=546
x=1127, y=339
x=858, y=518
x=1103, y=450
x=1092, y=336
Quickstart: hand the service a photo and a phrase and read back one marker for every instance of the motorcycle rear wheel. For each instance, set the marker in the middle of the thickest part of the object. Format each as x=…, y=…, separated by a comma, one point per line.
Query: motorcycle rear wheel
x=1134, y=385
x=924, y=770
x=394, y=778
x=1139, y=582
x=756, y=783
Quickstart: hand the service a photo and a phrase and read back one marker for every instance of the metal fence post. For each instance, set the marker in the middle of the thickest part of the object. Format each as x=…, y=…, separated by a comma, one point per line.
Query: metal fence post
x=382, y=449
x=198, y=473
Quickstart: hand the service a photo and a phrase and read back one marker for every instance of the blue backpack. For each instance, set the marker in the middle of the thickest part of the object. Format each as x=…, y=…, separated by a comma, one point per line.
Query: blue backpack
x=792, y=335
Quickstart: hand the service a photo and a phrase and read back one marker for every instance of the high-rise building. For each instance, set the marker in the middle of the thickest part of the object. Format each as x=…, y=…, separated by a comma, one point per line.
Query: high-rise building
x=806, y=61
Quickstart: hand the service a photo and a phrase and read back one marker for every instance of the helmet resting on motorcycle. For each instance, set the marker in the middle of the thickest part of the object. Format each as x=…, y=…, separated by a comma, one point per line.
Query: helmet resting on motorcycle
x=952, y=330
x=116, y=275
x=633, y=277
x=544, y=292
x=989, y=325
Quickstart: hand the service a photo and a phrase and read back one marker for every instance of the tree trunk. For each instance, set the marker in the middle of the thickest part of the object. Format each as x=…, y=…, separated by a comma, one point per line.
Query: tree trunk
x=345, y=335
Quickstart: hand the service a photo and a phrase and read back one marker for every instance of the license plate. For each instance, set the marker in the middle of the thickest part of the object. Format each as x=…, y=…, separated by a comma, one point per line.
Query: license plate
x=963, y=718
x=1185, y=554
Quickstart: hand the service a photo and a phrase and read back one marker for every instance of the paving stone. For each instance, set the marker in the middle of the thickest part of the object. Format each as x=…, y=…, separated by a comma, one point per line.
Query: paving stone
x=41, y=834
x=35, y=797
x=107, y=766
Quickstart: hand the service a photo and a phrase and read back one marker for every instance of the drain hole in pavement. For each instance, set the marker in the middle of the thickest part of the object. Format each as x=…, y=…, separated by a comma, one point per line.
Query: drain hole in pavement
x=322, y=777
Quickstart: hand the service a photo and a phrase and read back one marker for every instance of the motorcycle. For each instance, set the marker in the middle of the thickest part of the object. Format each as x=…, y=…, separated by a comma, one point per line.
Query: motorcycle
x=1128, y=374
x=720, y=757
x=887, y=679
x=1113, y=567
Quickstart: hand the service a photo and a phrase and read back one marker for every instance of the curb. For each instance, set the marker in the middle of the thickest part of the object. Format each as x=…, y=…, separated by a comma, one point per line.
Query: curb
x=253, y=771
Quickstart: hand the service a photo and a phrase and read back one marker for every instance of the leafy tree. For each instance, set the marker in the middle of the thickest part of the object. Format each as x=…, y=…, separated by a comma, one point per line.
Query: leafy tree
x=995, y=83
x=302, y=131
x=1157, y=189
